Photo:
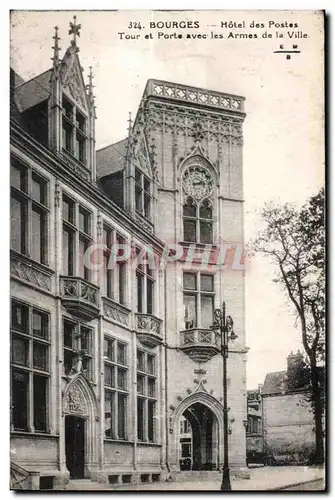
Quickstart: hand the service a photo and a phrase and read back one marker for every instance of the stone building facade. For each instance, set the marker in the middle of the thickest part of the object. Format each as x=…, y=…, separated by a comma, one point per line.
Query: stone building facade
x=107, y=359
x=287, y=418
x=254, y=430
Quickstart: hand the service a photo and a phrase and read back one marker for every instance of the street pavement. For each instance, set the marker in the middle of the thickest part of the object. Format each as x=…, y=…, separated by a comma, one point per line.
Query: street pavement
x=263, y=478
x=317, y=485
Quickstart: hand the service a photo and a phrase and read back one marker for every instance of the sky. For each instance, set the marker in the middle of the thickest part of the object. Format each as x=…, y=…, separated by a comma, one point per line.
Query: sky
x=283, y=153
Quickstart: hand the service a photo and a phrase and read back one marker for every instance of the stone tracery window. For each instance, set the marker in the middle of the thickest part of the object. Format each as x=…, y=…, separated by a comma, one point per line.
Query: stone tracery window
x=74, y=134
x=198, y=186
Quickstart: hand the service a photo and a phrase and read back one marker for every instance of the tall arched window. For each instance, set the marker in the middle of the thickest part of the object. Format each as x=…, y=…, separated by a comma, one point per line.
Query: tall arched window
x=198, y=186
x=198, y=221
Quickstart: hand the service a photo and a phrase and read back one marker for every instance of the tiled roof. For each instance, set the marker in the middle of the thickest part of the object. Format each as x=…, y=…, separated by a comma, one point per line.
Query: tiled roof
x=34, y=91
x=111, y=158
x=15, y=114
x=18, y=79
x=274, y=383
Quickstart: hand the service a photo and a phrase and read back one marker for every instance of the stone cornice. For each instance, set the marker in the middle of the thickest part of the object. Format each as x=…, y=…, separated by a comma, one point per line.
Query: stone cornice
x=194, y=96
x=225, y=198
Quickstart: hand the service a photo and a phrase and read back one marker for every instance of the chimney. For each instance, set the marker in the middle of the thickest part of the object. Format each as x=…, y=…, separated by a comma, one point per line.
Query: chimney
x=295, y=363
x=294, y=360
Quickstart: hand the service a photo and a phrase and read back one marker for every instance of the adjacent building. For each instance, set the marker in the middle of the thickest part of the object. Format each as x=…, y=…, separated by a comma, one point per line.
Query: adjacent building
x=114, y=278
x=288, y=423
x=254, y=427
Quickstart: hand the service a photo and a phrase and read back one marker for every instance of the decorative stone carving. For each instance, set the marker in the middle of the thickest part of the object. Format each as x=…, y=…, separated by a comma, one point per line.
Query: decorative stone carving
x=141, y=159
x=174, y=147
x=171, y=120
x=197, y=182
x=115, y=312
x=200, y=386
x=199, y=344
x=195, y=95
x=148, y=323
x=148, y=329
x=74, y=165
x=57, y=194
x=73, y=287
x=99, y=226
x=200, y=371
x=75, y=402
x=143, y=223
x=29, y=271
x=71, y=77
x=77, y=366
x=197, y=131
x=80, y=297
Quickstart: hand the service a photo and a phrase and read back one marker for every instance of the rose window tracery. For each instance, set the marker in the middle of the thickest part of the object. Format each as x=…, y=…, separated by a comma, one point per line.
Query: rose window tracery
x=197, y=182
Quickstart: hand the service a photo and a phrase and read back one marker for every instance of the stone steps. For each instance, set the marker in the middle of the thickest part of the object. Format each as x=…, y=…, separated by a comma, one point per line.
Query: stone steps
x=85, y=485
x=198, y=475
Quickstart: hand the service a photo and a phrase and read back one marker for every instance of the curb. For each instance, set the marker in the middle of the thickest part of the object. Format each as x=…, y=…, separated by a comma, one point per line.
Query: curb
x=301, y=483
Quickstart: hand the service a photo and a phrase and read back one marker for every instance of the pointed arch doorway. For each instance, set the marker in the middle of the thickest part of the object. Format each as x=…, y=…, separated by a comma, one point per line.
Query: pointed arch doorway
x=205, y=408
x=81, y=431
x=199, y=447
x=75, y=446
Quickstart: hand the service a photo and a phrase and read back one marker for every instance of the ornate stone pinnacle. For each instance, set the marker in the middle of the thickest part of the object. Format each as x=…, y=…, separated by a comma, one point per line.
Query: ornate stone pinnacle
x=197, y=132
x=74, y=30
x=56, y=49
x=130, y=124
x=90, y=85
x=152, y=150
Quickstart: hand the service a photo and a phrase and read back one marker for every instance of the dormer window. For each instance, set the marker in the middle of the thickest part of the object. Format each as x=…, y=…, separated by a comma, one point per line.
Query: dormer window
x=142, y=194
x=74, y=131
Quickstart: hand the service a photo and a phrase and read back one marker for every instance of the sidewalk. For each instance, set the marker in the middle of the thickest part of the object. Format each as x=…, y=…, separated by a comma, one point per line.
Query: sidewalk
x=264, y=478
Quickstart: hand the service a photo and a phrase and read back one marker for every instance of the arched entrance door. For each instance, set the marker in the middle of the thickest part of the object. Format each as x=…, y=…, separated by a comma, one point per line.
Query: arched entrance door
x=75, y=446
x=201, y=440
x=81, y=429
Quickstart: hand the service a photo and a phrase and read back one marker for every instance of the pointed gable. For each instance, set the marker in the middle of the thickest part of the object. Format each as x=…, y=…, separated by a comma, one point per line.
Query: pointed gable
x=140, y=154
x=72, y=79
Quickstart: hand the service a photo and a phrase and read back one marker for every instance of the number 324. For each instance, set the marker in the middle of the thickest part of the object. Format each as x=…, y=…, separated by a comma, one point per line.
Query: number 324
x=134, y=25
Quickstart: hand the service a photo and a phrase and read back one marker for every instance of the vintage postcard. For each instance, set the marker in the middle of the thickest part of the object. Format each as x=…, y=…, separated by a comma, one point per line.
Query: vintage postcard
x=167, y=250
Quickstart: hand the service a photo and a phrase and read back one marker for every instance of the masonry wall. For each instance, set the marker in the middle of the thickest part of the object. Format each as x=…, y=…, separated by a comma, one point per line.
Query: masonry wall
x=288, y=428
x=45, y=452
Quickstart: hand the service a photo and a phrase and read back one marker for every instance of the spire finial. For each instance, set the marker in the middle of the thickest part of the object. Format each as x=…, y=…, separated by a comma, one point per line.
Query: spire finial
x=56, y=48
x=130, y=124
x=74, y=30
x=129, y=141
x=90, y=85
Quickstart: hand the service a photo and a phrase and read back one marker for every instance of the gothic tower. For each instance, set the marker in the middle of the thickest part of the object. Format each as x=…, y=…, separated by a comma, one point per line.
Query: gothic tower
x=199, y=189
